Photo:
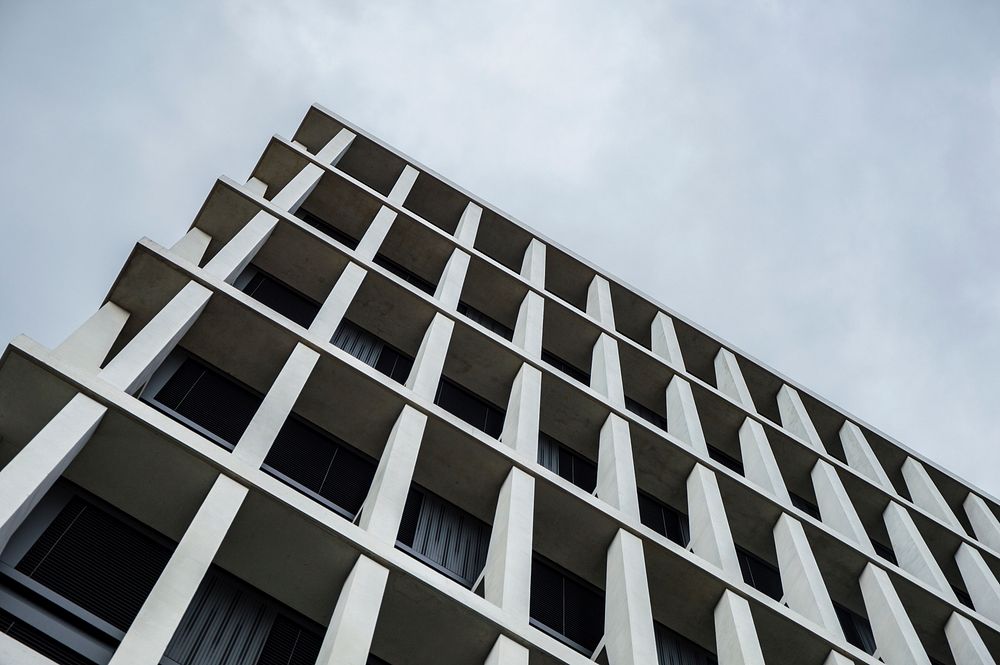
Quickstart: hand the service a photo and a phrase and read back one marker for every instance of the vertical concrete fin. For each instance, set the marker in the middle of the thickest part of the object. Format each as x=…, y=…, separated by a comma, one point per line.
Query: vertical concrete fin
x=967, y=647
x=233, y=258
x=663, y=341
x=912, y=553
x=429, y=363
x=729, y=379
x=192, y=245
x=449, y=288
x=861, y=457
x=983, y=521
x=759, y=465
x=711, y=538
x=735, y=635
x=468, y=225
x=897, y=640
x=530, y=323
x=348, y=638
x=837, y=659
x=520, y=425
x=606, y=370
x=298, y=188
x=377, y=231
x=507, y=576
x=533, y=264
x=403, y=185
x=335, y=147
x=926, y=494
x=805, y=590
x=337, y=302
x=628, y=622
x=89, y=345
x=256, y=186
x=682, y=415
x=979, y=580
x=599, y=304
x=506, y=651
x=795, y=418
x=835, y=506
x=615, y=467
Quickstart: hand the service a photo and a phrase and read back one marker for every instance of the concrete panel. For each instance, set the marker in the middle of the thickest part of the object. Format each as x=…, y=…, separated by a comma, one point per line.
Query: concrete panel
x=711, y=538
x=966, y=645
x=429, y=363
x=664, y=340
x=861, y=457
x=805, y=590
x=298, y=189
x=533, y=264
x=233, y=258
x=795, y=418
x=606, y=370
x=897, y=640
x=835, y=506
x=735, y=634
x=912, y=553
x=599, y=304
x=926, y=495
x=628, y=623
x=507, y=652
x=375, y=235
x=729, y=379
x=983, y=521
x=89, y=345
x=979, y=580
x=507, y=576
x=682, y=415
x=335, y=147
x=348, y=638
x=615, y=468
x=468, y=225
x=331, y=313
x=404, y=183
x=520, y=425
x=759, y=465
x=449, y=288
x=192, y=245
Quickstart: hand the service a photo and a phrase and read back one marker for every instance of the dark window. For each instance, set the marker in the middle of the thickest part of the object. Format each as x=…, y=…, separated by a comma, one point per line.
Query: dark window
x=884, y=551
x=372, y=660
x=404, y=274
x=963, y=596
x=725, y=459
x=566, y=606
x=445, y=536
x=202, y=396
x=277, y=295
x=856, y=629
x=646, y=413
x=320, y=465
x=806, y=506
x=330, y=230
x=39, y=641
x=675, y=649
x=566, y=463
x=372, y=351
x=663, y=519
x=566, y=368
x=469, y=407
x=759, y=574
x=485, y=320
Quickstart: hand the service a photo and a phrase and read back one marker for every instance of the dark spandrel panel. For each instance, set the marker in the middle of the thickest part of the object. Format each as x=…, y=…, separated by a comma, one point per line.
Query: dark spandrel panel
x=663, y=519
x=857, y=629
x=759, y=574
x=547, y=596
x=38, y=641
x=348, y=481
x=97, y=562
x=675, y=649
x=884, y=551
x=282, y=299
x=565, y=367
x=485, y=320
x=411, y=517
x=584, y=615
x=288, y=643
x=725, y=459
x=469, y=407
x=566, y=606
x=567, y=463
x=329, y=229
x=646, y=413
x=806, y=506
x=404, y=274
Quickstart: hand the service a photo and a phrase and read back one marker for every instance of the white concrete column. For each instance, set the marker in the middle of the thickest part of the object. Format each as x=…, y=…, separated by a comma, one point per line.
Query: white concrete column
x=966, y=645
x=663, y=341
x=520, y=425
x=861, y=457
x=711, y=538
x=147, y=639
x=89, y=345
x=506, y=651
x=403, y=185
x=795, y=418
x=13, y=652
x=348, y=638
x=912, y=553
x=729, y=379
x=256, y=441
x=372, y=240
x=449, y=288
x=134, y=364
x=682, y=415
x=530, y=324
x=803, y=585
x=979, y=581
x=599, y=301
x=27, y=477
x=735, y=635
x=837, y=659
x=606, y=370
x=507, y=576
x=429, y=363
x=230, y=261
x=983, y=521
x=335, y=147
x=926, y=495
x=835, y=507
x=615, y=467
x=337, y=302
x=192, y=245
x=628, y=614
x=533, y=264
x=897, y=640
x=256, y=186
x=383, y=507
x=759, y=465
x=298, y=188
x=468, y=225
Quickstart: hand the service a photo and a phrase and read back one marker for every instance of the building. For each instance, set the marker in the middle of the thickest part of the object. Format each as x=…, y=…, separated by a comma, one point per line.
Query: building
x=356, y=415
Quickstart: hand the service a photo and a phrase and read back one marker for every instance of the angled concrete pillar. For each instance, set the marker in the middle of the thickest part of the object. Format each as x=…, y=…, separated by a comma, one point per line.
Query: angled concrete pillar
x=242, y=247
x=628, y=614
x=912, y=553
x=599, y=301
x=403, y=185
x=533, y=264
x=759, y=465
x=805, y=590
x=615, y=467
x=298, y=188
x=429, y=363
x=383, y=508
x=192, y=245
x=506, y=651
x=682, y=415
x=468, y=225
x=520, y=425
x=348, y=638
x=259, y=435
x=335, y=147
x=133, y=365
x=983, y=521
x=735, y=635
x=837, y=659
x=979, y=580
x=795, y=418
x=926, y=495
x=89, y=345
x=606, y=370
x=27, y=477
x=861, y=457
x=449, y=288
x=729, y=379
x=147, y=639
x=663, y=341
x=256, y=186
x=711, y=538
x=836, y=509
x=372, y=240
x=897, y=640
x=507, y=576
x=530, y=323
x=966, y=645
x=337, y=302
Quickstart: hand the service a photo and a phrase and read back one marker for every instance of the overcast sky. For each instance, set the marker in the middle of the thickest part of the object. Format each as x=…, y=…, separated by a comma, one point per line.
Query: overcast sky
x=818, y=183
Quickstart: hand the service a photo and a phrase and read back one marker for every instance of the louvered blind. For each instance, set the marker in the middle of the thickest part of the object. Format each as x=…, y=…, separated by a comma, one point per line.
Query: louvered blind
x=567, y=463
x=280, y=297
x=857, y=629
x=759, y=574
x=485, y=320
x=36, y=639
x=566, y=606
x=675, y=649
x=663, y=519
x=372, y=351
x=469, y=407
x=325, y=227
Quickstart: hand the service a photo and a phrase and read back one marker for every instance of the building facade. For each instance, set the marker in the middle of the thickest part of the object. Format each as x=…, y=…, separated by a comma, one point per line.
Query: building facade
x=356, y=415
